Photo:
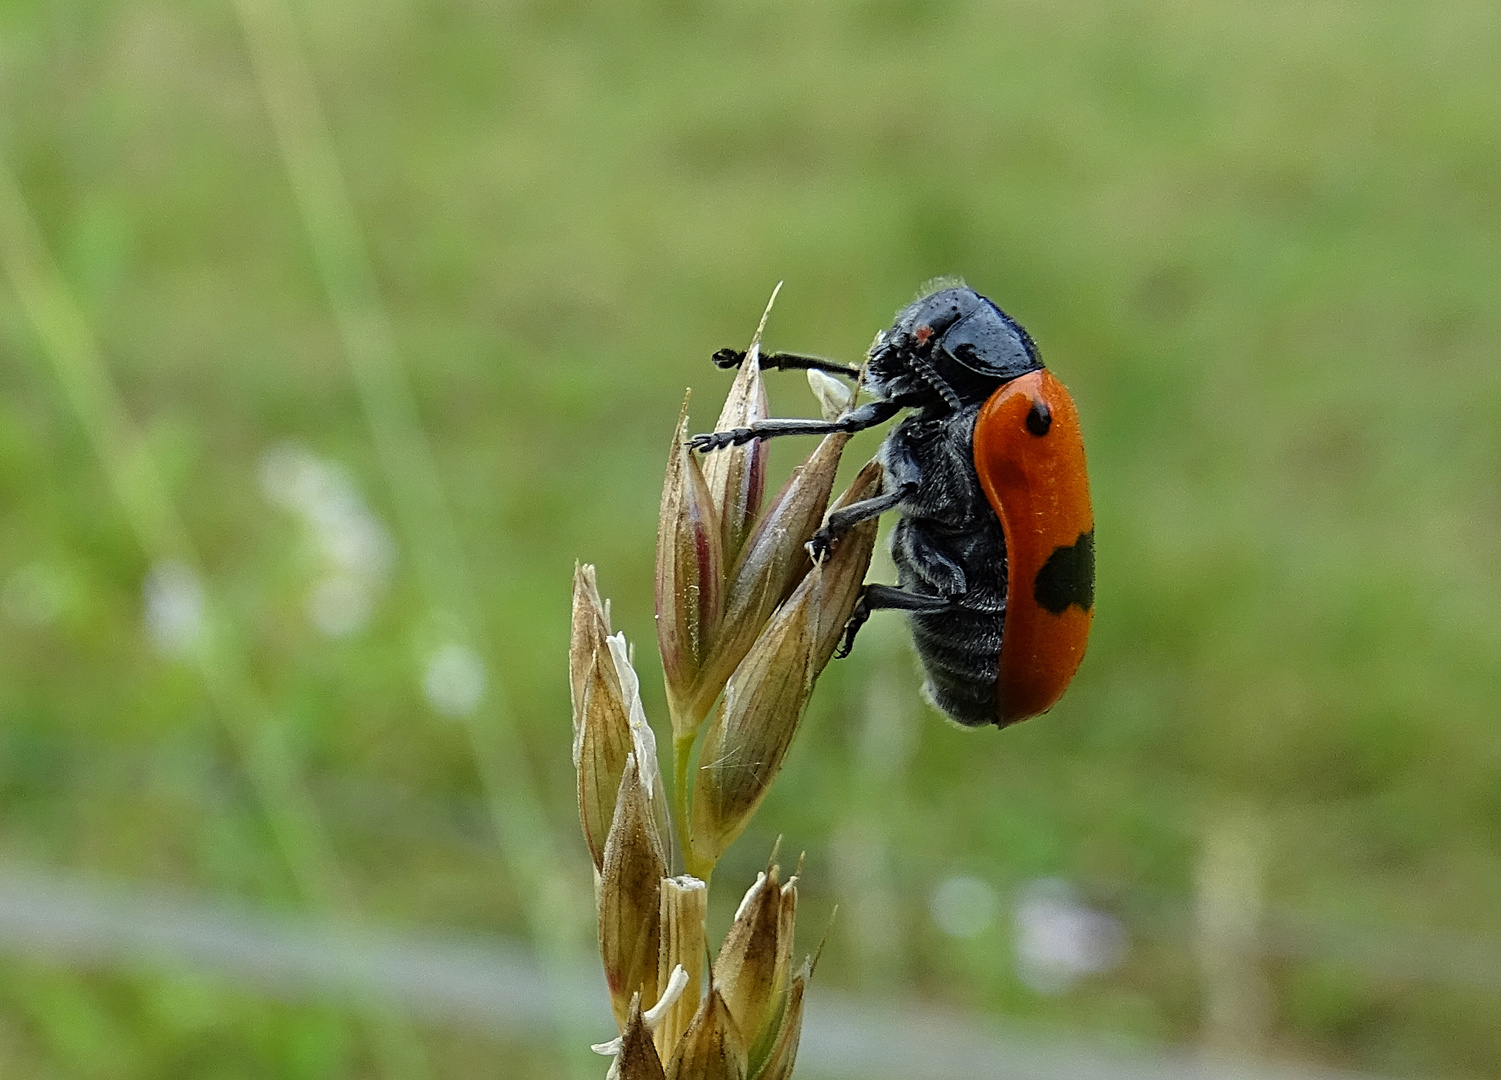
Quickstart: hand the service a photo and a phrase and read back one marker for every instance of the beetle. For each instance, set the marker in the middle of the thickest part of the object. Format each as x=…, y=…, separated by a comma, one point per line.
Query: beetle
x=994, y=547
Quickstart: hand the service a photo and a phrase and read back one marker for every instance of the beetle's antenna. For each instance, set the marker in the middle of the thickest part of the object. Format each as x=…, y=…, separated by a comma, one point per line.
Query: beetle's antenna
x=936, y=381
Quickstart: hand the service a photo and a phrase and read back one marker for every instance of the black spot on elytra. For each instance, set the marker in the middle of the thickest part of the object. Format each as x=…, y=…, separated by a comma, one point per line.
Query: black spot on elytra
x=1039, y=418
x=1067, y=577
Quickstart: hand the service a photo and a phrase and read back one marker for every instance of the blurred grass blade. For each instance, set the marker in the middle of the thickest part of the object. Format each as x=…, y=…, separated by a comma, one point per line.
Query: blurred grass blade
x=258, y=734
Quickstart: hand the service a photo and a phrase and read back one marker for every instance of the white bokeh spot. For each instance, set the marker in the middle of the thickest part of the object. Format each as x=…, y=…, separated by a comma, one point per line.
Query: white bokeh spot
x=355, y=551
x=173, y=607
x=1060, y=939
x=454, y=680
x=964, y=906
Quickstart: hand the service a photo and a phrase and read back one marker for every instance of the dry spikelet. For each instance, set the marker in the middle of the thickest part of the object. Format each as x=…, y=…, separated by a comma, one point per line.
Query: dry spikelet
x=736, y=476
x=608, y=721
x=748, y=737
x=711, y=1048
x=750, y=967
x=630, y=896
x=637, y=1058
x=601, y=718
x=690, y=577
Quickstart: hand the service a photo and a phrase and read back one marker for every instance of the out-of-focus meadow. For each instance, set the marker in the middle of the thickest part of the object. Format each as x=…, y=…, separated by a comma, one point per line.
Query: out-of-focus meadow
x=276, y=632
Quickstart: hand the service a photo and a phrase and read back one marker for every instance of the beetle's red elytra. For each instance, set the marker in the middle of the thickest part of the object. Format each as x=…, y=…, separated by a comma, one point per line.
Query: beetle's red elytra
x=1029, y=456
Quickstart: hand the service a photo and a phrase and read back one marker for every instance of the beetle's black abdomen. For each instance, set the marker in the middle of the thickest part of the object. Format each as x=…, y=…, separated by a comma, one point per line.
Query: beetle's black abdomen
x=960, y=651
x=949, y=543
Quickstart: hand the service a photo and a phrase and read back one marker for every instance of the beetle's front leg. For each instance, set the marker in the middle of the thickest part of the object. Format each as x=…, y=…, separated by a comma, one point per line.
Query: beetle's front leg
x=868, y=415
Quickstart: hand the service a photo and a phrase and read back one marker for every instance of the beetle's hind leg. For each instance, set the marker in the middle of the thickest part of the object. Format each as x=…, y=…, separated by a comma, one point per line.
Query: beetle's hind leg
x=889, y=597
x=785, y=361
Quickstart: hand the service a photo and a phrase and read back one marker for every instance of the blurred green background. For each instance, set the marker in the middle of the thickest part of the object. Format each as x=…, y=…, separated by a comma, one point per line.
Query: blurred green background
x=279, y=634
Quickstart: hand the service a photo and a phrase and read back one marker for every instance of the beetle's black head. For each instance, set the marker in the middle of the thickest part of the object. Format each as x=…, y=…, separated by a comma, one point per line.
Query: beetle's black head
x=953, y=344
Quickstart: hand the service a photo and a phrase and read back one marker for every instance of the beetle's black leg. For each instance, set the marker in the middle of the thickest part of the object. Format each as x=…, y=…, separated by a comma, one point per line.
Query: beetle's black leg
x=877, y=597
x=733, y=358
x=842, y=520
x=903, y=480
x=868, y=415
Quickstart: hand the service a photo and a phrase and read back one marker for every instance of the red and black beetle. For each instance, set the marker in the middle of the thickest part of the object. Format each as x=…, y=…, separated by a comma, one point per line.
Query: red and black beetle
x=995, y=545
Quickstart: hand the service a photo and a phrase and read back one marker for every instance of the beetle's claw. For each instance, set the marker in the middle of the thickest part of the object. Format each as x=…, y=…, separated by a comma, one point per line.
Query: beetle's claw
x=821, y=545
x=718, y=440
x=858, y=618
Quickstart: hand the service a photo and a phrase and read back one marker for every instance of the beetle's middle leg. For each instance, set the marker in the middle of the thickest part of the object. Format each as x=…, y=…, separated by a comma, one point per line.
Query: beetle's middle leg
x=903, y=480
x=847, y=517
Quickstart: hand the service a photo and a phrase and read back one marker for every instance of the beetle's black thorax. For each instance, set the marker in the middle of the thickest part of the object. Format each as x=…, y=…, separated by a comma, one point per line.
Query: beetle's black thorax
x=949, y=542
x=951, y=344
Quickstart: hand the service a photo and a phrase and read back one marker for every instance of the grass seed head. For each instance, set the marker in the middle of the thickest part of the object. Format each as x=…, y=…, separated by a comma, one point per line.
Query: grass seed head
x=752, y=728
x=746, y=623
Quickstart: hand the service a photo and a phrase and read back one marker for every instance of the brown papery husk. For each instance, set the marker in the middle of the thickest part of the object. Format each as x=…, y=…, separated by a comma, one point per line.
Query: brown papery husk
x=630, y=906
x=638, y=1058
x=711, y=1048
x=746, y=742
x=746, y=968
x=690, y=577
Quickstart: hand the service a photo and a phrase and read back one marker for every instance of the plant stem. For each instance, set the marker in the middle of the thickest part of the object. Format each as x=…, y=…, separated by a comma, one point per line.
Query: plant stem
x=682, y=756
